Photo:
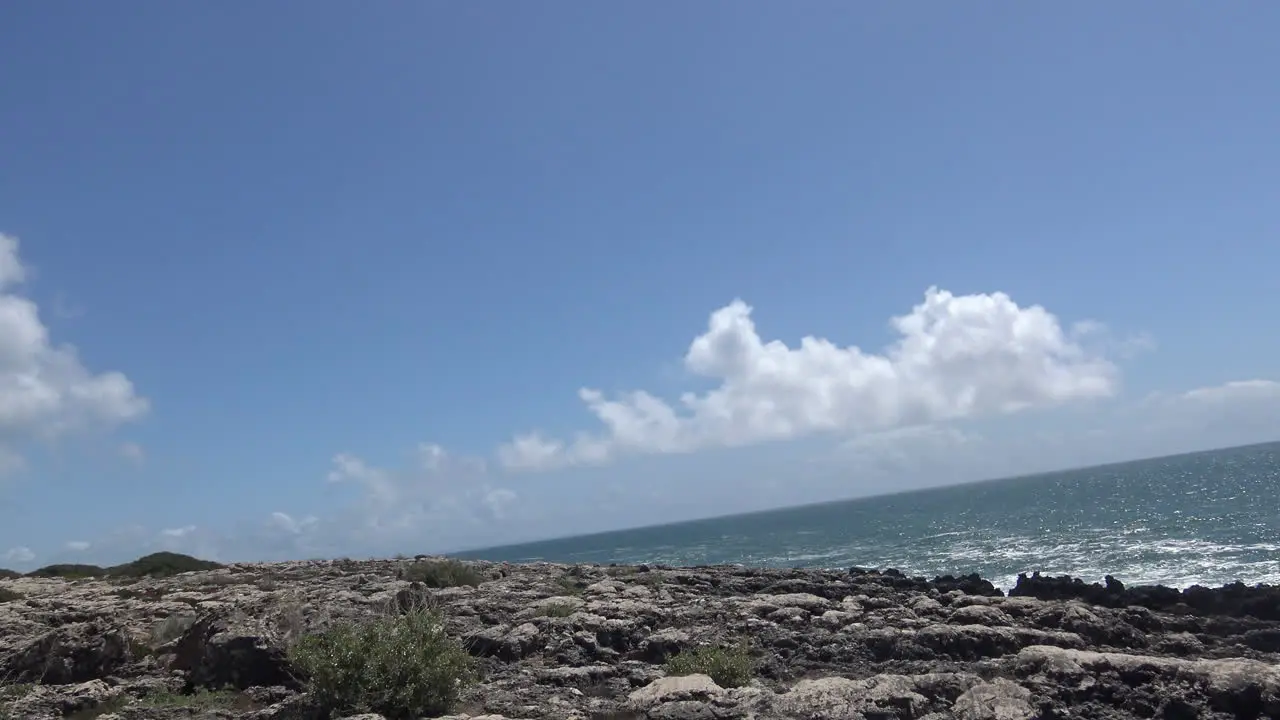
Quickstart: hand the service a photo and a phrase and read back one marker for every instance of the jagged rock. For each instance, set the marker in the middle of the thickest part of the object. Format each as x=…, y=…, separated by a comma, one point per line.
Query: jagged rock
x=663, y=644
x=673, y=689
x=61, y=700
x=69, y=654
x=220, y=651
x=1236, y=600
x=507, y=643
x=837, y=698
x=981, y=615
x=998, y=700
x=876, y=645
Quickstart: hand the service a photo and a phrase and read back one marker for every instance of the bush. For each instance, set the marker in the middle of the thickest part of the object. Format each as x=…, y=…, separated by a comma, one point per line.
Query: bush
x=7, y=595
x=161, y=564
x=728, y=667
x=441, y=573
x=403, y=666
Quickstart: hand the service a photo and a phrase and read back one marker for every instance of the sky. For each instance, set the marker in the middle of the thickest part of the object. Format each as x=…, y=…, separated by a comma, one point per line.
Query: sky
x=316, y=279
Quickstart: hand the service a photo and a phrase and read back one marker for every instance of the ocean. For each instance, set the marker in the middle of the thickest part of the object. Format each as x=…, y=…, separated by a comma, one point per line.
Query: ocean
x=1209, y=517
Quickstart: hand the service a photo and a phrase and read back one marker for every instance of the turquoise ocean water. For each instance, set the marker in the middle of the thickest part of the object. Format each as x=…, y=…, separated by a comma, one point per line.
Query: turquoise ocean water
x=1209, y=518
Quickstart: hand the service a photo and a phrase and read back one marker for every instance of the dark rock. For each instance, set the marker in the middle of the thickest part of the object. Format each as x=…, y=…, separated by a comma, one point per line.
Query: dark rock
x=217, y=652
x=70, y=654
x=971, y=584
x=1234, y=600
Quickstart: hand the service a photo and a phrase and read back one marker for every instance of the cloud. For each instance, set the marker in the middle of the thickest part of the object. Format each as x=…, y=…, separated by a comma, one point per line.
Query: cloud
x=133, y=452
x=497, y=500
x=901, y=446
x=1247, y=392
x=1244, y=411
x=348, y=468
x=1230, y=414
x=432, y=456
x=286, y=522
x=438, y=498
x=18, y=554
x=45, y=391
x=955, y=357
x=437, y=502
x=12, y=271
x=78, y=545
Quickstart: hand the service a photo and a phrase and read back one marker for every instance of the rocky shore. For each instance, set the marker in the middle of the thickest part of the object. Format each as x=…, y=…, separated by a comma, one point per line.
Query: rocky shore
x=624, y=643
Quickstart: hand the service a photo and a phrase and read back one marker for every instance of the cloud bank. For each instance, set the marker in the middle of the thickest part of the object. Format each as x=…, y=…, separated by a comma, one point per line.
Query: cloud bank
x=957, y=356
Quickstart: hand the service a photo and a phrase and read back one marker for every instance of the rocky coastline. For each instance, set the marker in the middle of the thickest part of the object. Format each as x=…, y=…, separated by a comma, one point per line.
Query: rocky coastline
x=587, y=642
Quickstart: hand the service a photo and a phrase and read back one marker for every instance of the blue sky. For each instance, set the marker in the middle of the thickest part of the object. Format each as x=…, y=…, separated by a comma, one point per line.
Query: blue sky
x=337, y=276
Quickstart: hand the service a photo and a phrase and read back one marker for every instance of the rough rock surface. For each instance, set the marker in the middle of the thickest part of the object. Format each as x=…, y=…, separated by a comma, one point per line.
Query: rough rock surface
x=588, y=643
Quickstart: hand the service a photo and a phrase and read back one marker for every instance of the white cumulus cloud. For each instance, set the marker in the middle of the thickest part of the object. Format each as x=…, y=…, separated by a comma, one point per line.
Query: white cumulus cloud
x=957, y=356
x=44, y=388
x=78, y=545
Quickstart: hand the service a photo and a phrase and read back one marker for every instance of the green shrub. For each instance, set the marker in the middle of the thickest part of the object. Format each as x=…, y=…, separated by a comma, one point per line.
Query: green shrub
x=7, y=595
x=403, y=666
x=161, y=564
x=728, y=666
x=441, y=573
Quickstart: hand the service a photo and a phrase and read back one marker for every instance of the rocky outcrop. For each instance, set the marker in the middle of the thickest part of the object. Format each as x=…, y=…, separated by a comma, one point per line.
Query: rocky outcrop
x=1235, y=600
x=590, y=643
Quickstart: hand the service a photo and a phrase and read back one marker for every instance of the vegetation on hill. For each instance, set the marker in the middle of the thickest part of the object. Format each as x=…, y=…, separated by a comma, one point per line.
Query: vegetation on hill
x=70, y=571
x=161, y=564
x=9, y=574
